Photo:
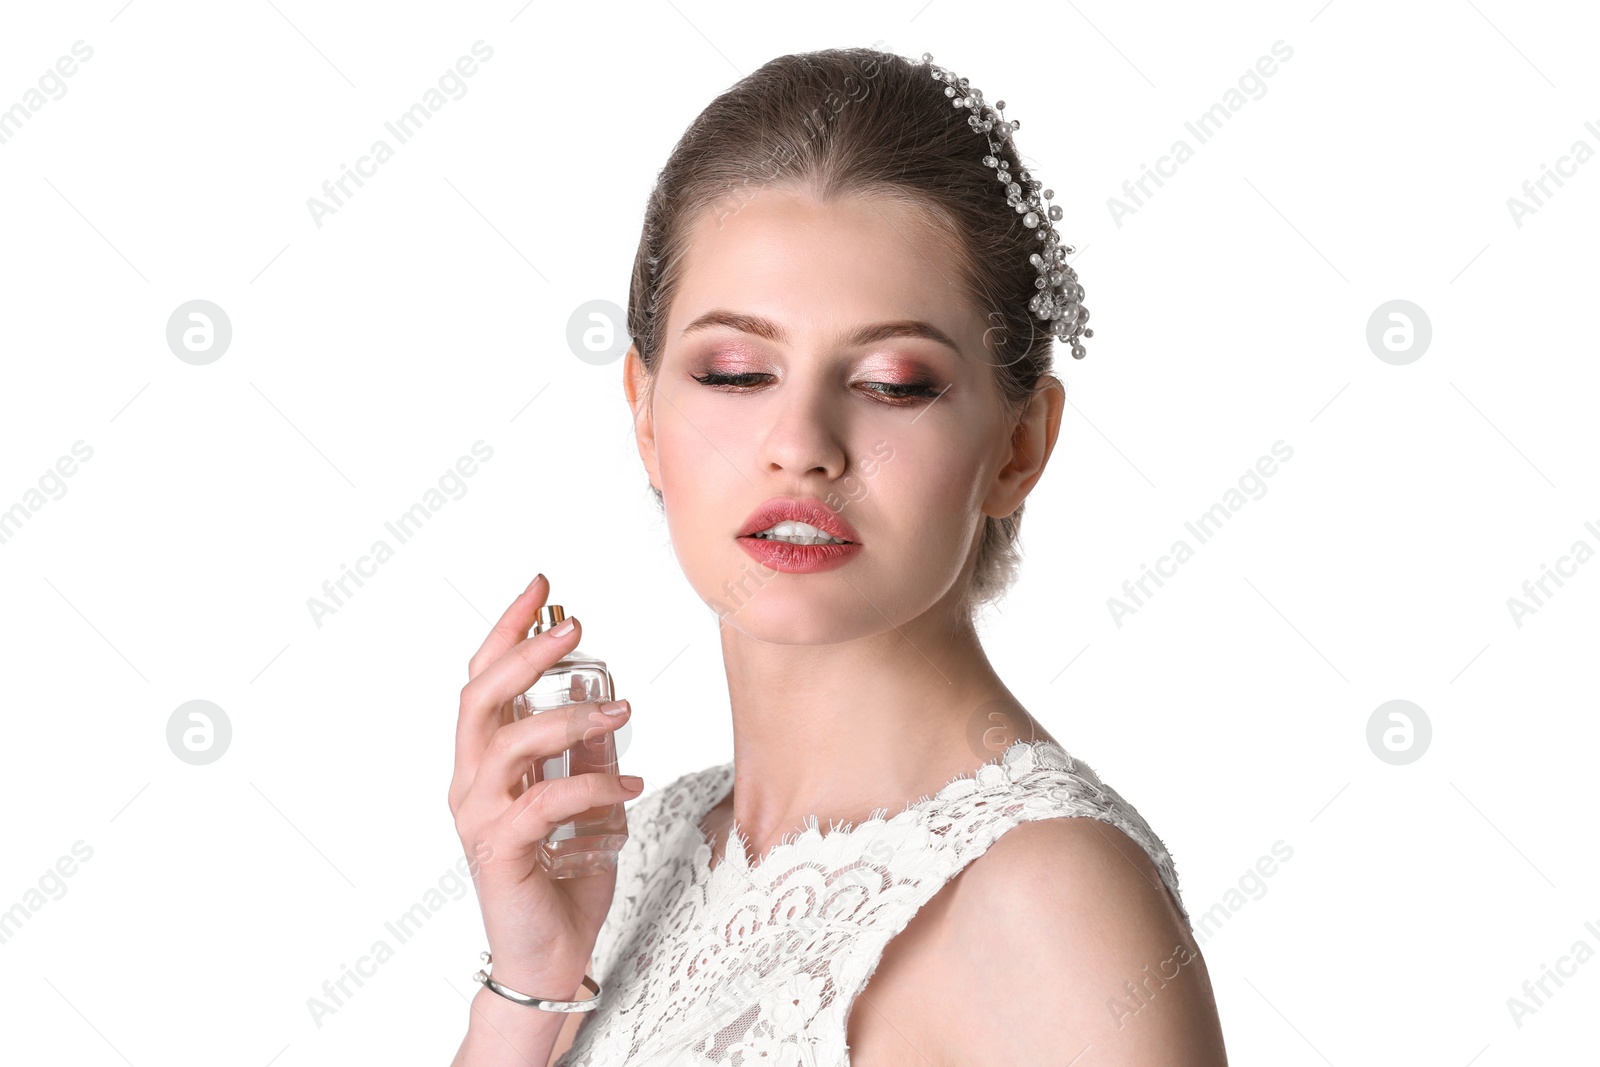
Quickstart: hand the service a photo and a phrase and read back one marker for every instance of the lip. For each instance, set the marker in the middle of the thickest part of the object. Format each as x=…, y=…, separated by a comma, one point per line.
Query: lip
x=799, y=509
x=798, y=559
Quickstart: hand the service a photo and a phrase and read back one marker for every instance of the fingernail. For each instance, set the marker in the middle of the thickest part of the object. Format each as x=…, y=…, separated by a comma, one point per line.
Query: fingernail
x=564, y=627
x=535, y=582
x=632, y=781
x=615, y=707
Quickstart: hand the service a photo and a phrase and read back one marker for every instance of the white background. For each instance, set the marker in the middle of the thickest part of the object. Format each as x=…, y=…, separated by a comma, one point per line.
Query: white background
x=431, y=311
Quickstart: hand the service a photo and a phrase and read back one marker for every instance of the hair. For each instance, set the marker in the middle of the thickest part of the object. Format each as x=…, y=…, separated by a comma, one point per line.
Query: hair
x=858, y=121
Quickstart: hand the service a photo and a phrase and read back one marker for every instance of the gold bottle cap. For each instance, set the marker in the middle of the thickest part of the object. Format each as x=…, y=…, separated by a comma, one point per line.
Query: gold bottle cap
x=547, y=617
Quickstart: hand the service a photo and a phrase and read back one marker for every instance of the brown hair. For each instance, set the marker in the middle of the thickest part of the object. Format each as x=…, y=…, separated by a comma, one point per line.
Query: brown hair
x=858, y=120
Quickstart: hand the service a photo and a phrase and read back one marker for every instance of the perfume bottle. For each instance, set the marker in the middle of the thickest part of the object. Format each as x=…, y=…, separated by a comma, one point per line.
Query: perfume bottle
x=589, y=843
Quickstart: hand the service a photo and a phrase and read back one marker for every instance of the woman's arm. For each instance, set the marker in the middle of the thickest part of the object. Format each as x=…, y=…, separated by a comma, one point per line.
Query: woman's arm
x=502, y=1033
x=537, y=925
x=569, y=1029
x=1067, y=939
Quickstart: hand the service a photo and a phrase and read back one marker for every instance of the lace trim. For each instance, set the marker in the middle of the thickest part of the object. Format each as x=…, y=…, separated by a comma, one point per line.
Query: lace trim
x=1021, y=757
x=709, y=787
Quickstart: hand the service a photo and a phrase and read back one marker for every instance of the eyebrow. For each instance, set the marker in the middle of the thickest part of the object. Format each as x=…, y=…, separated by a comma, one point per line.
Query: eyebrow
x=870, y=334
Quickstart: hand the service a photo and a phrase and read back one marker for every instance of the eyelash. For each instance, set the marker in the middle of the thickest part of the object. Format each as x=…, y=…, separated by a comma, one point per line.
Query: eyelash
x=903, y=393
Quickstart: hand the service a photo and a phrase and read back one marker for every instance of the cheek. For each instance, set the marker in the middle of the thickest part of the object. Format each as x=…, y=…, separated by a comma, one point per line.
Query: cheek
x=698, y=444
x=699, y=456
x=925, y=493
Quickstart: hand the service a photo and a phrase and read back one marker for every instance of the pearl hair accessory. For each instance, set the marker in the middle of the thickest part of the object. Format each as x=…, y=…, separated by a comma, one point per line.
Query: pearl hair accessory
x=1060, y=297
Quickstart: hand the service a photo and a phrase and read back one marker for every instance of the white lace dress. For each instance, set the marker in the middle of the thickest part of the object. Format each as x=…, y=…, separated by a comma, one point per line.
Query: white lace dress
x=745, y=965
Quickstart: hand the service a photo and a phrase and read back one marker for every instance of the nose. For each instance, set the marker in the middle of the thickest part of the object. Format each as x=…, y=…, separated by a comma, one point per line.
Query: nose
x=805, y=436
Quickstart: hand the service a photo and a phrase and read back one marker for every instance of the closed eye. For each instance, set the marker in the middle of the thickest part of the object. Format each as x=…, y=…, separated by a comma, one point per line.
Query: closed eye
x=713, y=379
x=893, y=391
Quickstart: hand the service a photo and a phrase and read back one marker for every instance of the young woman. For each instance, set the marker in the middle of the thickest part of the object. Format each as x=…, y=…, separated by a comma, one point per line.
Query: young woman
x=843, y=311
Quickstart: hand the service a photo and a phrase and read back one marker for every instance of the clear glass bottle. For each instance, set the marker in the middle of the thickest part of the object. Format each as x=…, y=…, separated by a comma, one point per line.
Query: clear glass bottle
x=589, y=843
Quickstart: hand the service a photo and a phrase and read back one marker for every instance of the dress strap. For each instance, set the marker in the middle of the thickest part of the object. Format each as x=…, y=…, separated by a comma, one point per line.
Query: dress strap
x=1038, y=780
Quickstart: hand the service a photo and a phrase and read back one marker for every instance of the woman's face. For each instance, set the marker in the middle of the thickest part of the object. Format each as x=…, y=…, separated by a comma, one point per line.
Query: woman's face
x=902, y=435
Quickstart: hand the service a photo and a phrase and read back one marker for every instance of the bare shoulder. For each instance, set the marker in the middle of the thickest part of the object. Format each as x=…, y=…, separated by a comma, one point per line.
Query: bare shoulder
x=1068, y=939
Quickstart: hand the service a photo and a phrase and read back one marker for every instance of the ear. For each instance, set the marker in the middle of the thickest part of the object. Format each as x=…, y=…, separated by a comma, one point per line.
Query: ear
x=1032, y=440
x=636, y=387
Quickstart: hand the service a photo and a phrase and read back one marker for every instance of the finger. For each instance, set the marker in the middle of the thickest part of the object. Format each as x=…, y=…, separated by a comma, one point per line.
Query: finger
x=530, y=818
x=486, y=699
x=512, y=627
x=514, y=749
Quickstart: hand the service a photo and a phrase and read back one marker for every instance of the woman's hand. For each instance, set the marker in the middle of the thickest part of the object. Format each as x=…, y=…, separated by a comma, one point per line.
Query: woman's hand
x=541, y=930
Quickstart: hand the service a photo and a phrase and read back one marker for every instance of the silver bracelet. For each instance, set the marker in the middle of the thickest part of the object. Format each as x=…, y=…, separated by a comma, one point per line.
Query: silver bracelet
x=539, y=1002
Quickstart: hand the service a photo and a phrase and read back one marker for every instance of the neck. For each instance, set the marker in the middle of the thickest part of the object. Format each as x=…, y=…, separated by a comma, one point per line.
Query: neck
x=841, y=729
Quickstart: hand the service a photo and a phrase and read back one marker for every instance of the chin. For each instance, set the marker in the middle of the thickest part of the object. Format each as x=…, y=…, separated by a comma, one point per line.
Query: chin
x=779, y=624
x=770, y=605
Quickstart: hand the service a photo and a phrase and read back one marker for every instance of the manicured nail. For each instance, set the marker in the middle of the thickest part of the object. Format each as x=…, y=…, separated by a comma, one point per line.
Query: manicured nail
x=615, y=707
x=632, y=781
x=564, y=627
x=535, y=582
